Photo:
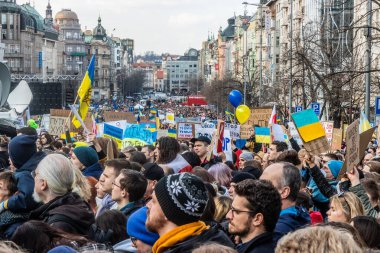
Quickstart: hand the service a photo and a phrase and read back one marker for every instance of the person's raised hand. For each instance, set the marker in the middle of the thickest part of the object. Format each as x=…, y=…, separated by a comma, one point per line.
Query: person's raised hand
x=353, y=176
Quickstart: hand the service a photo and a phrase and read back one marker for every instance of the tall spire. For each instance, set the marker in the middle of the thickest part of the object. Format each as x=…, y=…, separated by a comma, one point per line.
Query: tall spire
x=49, y=13
x=99, y=20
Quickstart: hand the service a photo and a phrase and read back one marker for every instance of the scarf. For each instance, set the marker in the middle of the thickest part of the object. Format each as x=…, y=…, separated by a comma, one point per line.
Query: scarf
x=178, y=235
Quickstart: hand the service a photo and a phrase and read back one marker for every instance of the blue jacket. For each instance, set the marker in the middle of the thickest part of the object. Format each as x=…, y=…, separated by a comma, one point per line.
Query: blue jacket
x=262, y=243
x=94, y=170
x=290, y=219
x=23, y=201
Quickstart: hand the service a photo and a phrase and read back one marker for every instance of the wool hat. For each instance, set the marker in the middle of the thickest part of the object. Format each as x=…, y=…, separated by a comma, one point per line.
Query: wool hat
x=241, y=176
x=62, y=249
x=183, y=197
x=256, y=172
x=152, y=171
x=246, y=156
x=86, y=155
x=136, y=227
x=21, y=149
x=335, y=166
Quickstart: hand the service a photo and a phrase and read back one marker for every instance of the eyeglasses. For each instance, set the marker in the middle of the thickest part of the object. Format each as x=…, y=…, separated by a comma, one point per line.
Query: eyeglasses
x=33, y=173
x=116, y=185
x=133, y=240
x=235, y=211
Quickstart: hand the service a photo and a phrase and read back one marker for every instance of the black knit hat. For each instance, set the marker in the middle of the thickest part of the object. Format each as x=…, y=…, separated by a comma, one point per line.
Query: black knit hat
x=241, y=176
x=183, y=197
x=152, y=171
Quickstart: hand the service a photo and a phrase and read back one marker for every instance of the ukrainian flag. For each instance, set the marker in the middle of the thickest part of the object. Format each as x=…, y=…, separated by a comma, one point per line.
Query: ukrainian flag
x=84, y=92
x=308, y=125
x=262, y=134
x=172, y=133
x=364, y=124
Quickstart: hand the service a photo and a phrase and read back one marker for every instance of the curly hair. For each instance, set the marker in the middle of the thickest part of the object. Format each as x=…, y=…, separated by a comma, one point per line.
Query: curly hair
x=168, y=149
x=263, y=198
x=317, y=239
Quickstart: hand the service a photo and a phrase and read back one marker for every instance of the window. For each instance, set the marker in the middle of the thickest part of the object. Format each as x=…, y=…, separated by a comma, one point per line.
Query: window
x=68, y=35
x=69, y=49
x=3, y=18
x=77, y=58
x=69, y=67
x=79, y=49
x=75, y=36
x=69, y=58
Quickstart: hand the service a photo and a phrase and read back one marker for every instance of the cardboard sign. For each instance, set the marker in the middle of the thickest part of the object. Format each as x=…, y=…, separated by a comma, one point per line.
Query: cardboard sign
x=246, y=131
x=352, y=141
x=185, y=131
x=259, y=116
x=57, y=125
x=161, y=133
x=66, y=113
x=336, y=143
x=132, y=142
x=317, y=146
x=328, y=126
x=117, y=116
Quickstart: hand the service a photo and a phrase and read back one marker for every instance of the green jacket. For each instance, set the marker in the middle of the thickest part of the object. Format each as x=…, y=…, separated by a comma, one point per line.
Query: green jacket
x=359, y=191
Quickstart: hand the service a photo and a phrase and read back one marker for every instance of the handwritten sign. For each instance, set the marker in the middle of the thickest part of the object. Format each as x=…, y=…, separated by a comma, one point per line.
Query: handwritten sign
x=113, y=131
x=66, y=113
x=328, y=126
x=259, y=116
x=336, y=143
x=246, y=131
x=185, y=131
x=136, y=131
x=116, y=116
x=234, y=130
x=352, y=140
x=132, y=142
x=294, y=133
x=57, y=125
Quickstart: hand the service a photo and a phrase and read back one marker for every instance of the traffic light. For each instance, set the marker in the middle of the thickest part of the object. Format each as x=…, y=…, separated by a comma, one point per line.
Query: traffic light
x=69, y=96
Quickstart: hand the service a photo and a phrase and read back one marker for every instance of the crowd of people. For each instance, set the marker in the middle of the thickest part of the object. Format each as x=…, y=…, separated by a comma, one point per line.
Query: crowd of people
x=86, y=195
x=164, y=106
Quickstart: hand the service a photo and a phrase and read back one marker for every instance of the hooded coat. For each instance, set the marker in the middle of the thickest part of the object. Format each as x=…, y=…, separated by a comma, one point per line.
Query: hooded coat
x=68, y=212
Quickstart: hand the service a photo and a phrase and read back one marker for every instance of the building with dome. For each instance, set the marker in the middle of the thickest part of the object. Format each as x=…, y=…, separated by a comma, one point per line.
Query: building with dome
x=31, y=43
x=74, y=55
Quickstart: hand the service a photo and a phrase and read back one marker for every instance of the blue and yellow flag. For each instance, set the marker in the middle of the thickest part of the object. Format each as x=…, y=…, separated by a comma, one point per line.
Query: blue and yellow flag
x=84, y=92
x=262, y=134
x=364, y=124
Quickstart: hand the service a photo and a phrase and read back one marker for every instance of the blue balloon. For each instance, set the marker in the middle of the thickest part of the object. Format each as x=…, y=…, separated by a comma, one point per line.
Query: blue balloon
x=235, y=98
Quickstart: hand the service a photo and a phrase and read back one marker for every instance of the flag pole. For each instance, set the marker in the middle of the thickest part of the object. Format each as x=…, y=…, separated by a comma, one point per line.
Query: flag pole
x=68, y=117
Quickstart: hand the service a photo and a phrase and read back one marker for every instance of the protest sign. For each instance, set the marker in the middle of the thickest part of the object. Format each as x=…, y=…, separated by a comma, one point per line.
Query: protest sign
x=161, y=133
x=234, y=130
x=246, y=131
x=336, y=143
x=278, y=133
x=113, y=131
x=328, y=126
x=201, y=131
x=226, y=145
x=57, y=125
x=120, y=123
x=118, y=141
x=262, y=134
x=294, y=133
x=132, y=142
x=185, y=131
x=117, y=116
x=317, y=146
x=308, y=125
x=259, y=116
x=170, y=118
x=352, y=141
x=66, y=113
x=140, y=132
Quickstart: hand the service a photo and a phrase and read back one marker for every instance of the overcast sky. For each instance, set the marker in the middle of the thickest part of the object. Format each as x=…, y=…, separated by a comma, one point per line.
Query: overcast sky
x=155, y=25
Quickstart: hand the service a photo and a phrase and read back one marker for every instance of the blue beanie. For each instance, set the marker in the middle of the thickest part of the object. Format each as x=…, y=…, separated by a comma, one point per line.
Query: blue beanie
x=136, y=227
x=62, y=249
x=335, y=166
x=86, y=155
x=21, y=149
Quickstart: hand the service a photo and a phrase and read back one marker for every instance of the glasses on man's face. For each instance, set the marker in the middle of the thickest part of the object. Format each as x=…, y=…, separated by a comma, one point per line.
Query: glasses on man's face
x=113, y=183
x=33, y=173
x=235, y=211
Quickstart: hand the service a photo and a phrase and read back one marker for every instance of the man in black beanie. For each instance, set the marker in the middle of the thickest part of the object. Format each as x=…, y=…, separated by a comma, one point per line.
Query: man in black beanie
x=24, y=159
x=175, y=212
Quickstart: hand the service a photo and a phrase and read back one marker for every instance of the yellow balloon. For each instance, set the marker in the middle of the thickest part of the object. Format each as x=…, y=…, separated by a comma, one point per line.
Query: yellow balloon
x=242, y=113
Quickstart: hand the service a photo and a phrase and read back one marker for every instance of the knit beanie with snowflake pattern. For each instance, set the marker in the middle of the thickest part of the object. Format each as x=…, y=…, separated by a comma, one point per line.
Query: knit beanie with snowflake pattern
x=183, y=197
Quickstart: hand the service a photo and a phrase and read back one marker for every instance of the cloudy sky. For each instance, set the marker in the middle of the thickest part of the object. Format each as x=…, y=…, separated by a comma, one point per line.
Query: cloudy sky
x=155, y=25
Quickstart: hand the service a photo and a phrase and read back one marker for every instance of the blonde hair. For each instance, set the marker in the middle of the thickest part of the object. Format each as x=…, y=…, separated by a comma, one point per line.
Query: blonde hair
x=349, y=203
x=9, y=246
x=81, y=185
x=317, y=239
x=222, y=206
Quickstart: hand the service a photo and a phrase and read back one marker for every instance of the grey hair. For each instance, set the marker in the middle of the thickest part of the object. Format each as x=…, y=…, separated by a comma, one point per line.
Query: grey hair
x=59, y=173
x=291, y=177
